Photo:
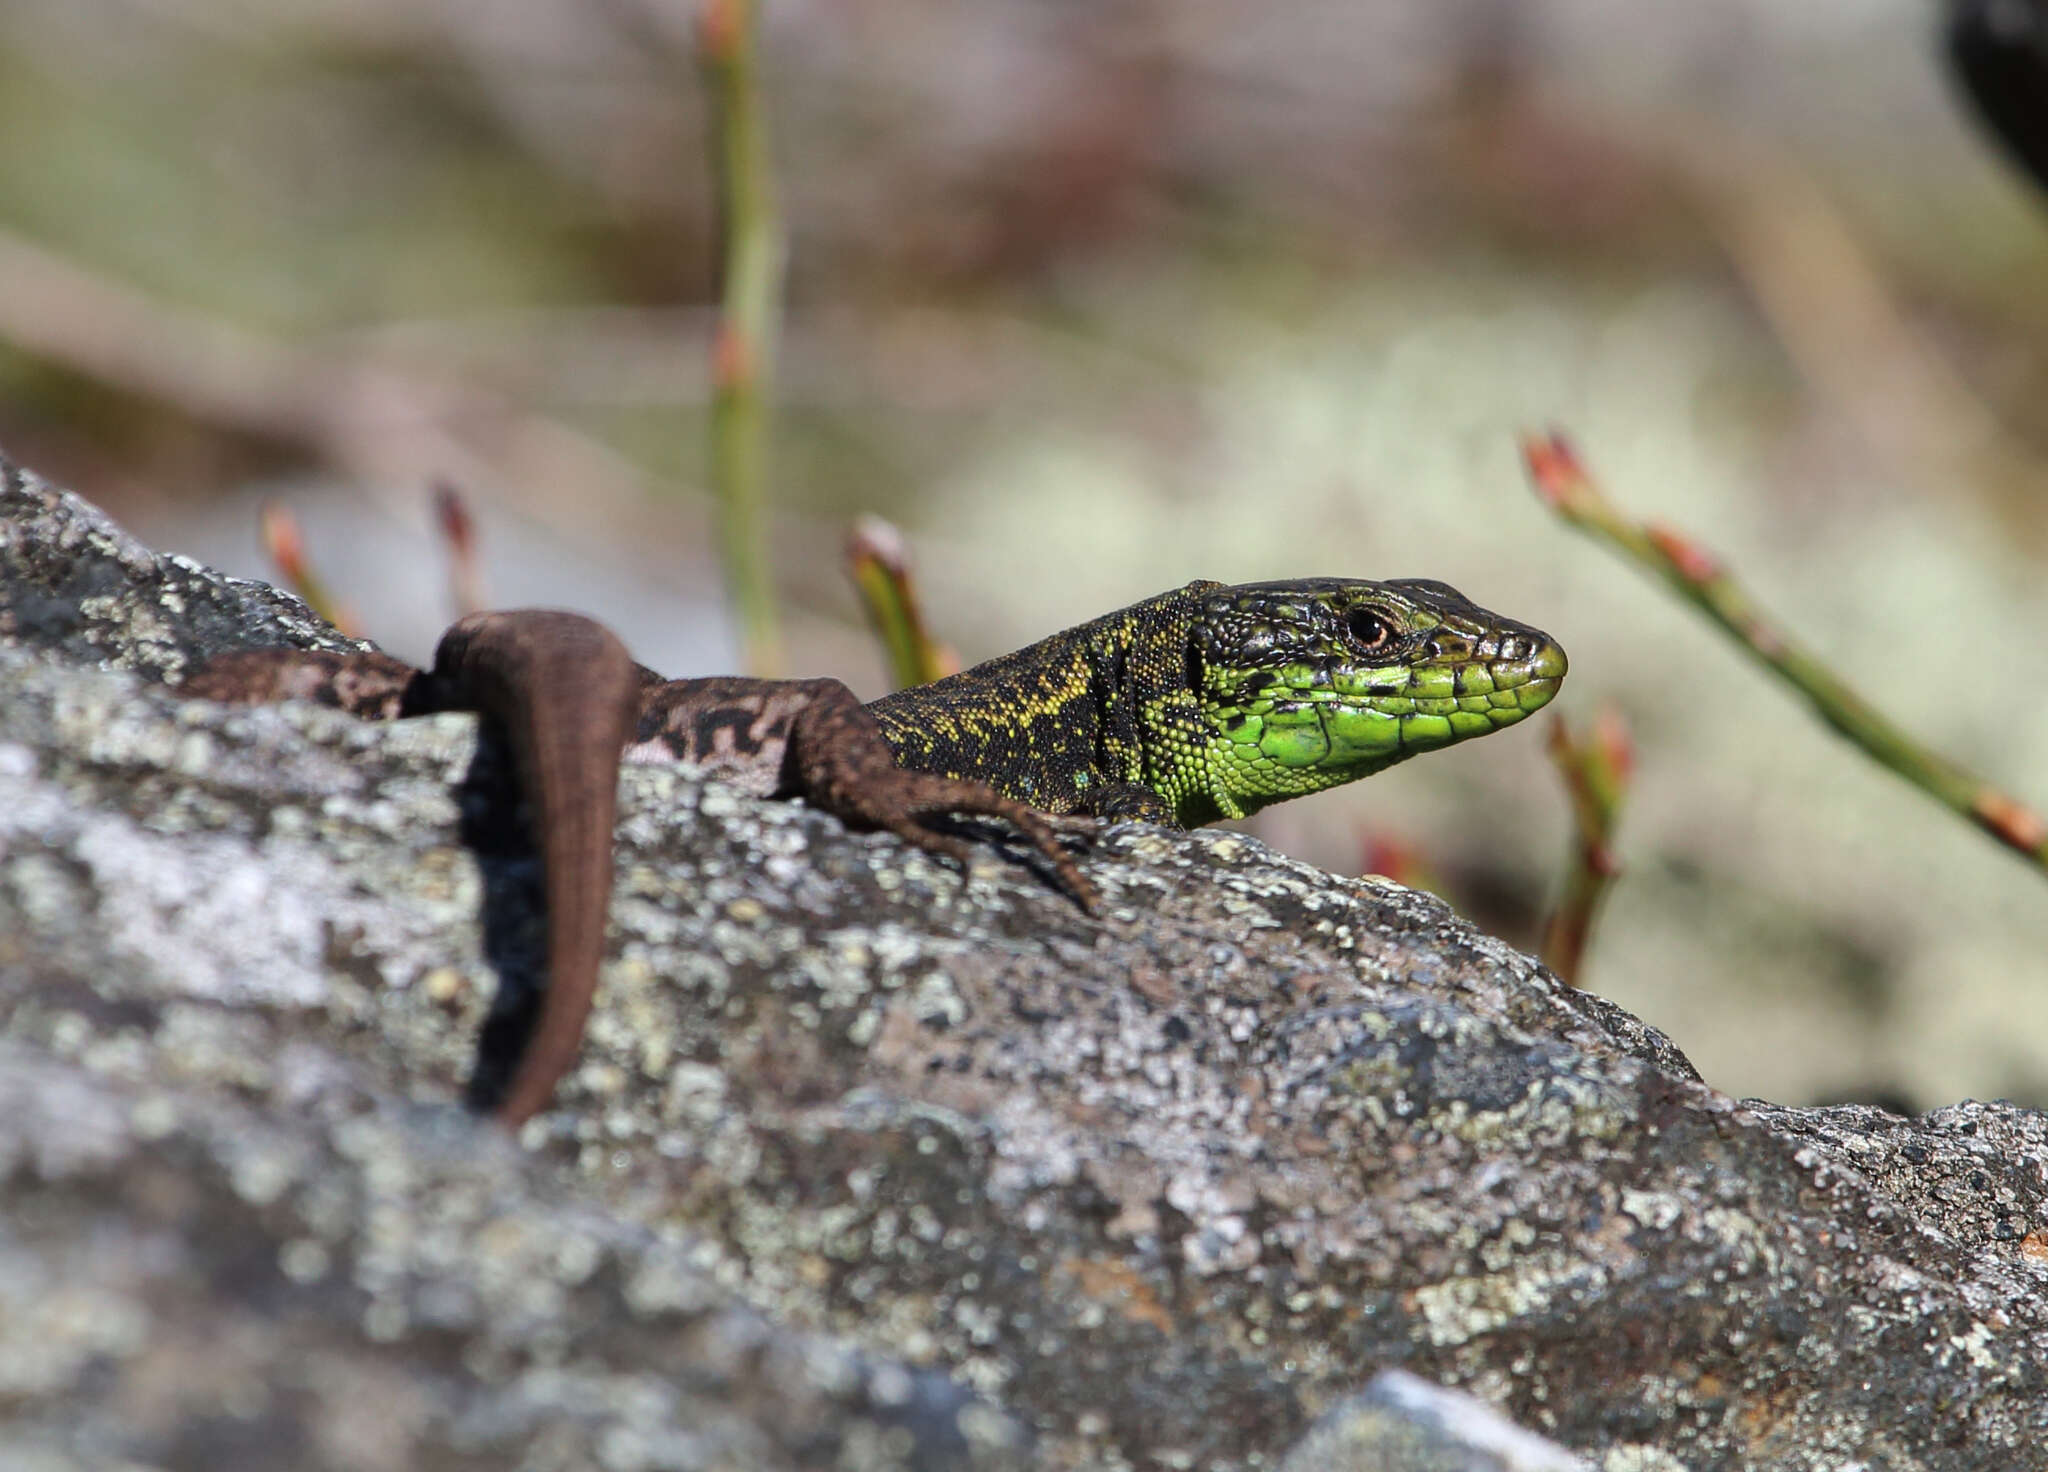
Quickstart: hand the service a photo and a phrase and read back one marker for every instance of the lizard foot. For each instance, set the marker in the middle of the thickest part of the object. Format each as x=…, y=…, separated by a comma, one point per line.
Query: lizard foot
x=903, y=802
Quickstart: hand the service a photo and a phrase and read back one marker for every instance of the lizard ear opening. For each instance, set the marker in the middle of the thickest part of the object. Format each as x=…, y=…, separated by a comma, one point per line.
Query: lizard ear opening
x=1191, y=672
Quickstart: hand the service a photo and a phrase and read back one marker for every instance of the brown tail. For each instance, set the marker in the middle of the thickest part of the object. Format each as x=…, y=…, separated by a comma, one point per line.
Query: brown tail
x=565, y=691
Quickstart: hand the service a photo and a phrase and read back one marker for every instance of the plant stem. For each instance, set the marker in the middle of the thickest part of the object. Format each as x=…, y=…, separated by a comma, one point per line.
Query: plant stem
x=1595, y=770
x=743, y=352
x=1682, y=565
x=880, y=566
x=285, y=544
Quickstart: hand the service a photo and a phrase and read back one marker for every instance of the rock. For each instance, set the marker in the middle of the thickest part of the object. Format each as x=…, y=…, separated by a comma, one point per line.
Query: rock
x=868, y=1164
x=1402, y=1424
x=79, y=589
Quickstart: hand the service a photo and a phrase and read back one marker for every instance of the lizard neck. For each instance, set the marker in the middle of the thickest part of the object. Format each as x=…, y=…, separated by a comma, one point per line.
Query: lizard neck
x=1054, y=722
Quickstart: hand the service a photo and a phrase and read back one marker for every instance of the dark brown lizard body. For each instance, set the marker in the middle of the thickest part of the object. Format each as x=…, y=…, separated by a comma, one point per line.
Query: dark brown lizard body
x=1204, y=703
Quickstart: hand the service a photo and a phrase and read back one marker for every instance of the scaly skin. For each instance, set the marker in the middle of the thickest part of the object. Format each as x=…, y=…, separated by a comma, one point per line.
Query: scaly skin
x=1204, y=703
x=1210, y=702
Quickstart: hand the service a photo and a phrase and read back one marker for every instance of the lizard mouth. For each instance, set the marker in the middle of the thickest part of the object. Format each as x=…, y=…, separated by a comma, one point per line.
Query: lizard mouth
x=1533, y=679
x=1351, y=720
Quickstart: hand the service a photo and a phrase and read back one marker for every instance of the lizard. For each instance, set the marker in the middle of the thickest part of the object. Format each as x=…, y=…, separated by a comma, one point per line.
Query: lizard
x=1201, y=704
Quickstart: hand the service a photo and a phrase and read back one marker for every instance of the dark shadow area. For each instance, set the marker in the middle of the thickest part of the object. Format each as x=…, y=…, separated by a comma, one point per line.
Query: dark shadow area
x=496, y=828
x=1892, y=1098
x=1998, y=50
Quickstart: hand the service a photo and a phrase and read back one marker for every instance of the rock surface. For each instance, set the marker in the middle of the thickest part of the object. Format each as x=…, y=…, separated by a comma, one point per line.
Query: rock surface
x=867, y=1165
x=1403, y=1422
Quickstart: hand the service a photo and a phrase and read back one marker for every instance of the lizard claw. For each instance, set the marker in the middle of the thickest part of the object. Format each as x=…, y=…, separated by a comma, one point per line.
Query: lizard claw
x=905, y=800
x=1044, y=832
x=914, y=832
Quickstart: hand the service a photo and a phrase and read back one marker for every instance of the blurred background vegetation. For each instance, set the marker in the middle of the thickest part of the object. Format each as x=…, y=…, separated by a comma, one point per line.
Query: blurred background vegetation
x=1092, y=299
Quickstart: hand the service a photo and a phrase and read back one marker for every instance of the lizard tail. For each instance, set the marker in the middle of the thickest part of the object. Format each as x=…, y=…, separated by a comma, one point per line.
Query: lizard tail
x=566, y=693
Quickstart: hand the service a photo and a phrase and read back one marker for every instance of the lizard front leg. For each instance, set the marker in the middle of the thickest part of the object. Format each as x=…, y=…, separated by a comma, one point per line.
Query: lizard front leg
x=814, y=739
x=847, y=768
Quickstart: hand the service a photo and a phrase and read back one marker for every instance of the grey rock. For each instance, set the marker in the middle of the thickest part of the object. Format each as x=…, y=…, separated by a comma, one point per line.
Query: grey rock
x=78, y=588
x=869, y=1164
x=1402, y=1424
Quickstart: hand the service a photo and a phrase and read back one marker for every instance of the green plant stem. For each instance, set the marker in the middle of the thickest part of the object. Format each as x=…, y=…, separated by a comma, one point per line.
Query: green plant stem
x=1595, y=769
x=880, y=566
x=743, y=353
x=1698, y=577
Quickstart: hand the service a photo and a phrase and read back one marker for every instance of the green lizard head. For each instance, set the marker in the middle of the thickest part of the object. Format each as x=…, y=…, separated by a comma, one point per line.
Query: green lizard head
x=1310, y=684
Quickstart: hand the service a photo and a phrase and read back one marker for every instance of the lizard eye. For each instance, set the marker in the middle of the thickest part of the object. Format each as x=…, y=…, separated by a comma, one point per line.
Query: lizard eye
x=1367, y=629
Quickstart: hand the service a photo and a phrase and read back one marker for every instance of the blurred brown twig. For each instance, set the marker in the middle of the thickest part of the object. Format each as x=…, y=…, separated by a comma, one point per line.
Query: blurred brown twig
x=285, y=544
x=1595, y=769
x=377, y=418
x=458, y=533
x=1398, y=859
